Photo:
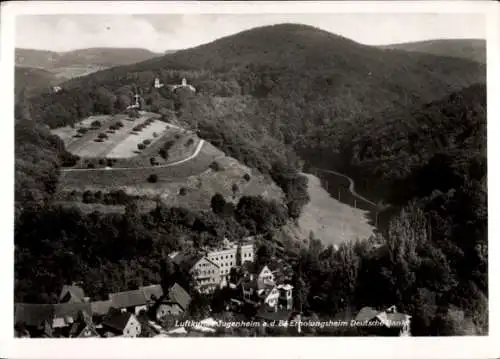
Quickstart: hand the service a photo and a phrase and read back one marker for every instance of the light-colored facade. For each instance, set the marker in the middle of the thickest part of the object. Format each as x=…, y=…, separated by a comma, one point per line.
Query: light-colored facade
x=133, y=327
x=265, y=277
x=168, y=309
x=207, y=274
x=231, y=256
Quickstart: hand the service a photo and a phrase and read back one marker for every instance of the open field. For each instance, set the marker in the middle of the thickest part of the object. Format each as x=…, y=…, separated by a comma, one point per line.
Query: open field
x=70, y=72
x=190, y=184
x=331, y=221
x=117, y=178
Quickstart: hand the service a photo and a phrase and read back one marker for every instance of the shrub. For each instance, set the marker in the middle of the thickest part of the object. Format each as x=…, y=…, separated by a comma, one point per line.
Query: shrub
x=146, y=142
x=90, y=165
x=155, y=134
x=182, y=191
x=177, y=136
x=217, y=203
x=88, y=197
x=96, y=124
x=102, y=135
x=110, y=162
x=234, y=188
x=82, y=130
x=215, y=166
x=141, y=146
x=102, y=162
x=189, y=142
x=247, y=177
x=153, y=178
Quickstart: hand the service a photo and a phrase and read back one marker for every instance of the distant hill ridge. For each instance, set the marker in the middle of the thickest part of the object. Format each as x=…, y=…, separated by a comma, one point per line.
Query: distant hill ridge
x=99, y=56
x=469, y=49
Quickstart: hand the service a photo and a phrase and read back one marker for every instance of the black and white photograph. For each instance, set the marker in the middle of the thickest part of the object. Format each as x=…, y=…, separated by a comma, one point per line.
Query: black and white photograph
x=249, y=174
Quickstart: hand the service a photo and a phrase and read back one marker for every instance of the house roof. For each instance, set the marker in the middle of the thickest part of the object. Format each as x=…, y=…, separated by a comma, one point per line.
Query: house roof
x=178, y=295
x=393, y=319
x=71, y=310
x=83, y=322
x=152, y=290
x=101, y=307
x=131, y=298
x=186, y=260
x=33, y=314
x=117, y=320
x=249, y=284
x=366, y=313
x=77, y=295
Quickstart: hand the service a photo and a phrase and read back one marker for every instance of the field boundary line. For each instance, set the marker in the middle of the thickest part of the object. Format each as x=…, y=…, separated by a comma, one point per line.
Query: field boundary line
x=190, y=157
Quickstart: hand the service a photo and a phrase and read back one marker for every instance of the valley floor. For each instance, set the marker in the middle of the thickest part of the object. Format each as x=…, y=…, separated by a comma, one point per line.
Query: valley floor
x=331, y=221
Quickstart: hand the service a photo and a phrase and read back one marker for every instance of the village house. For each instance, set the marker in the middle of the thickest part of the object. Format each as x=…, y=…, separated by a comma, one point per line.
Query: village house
x=211, y=267
x=100, y=308
x=135, y=301
x=132, y=301
x=174, y=303
x=36, y=319
x=72, y=294
x=65, y=314
x=48, y=320
x=83, y=327
x=388, y=322
x=120, y=323
x=231, y=255
x=205, y=273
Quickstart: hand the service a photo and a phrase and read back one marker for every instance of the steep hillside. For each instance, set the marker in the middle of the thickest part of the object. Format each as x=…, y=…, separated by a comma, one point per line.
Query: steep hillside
x=293, y=85
x=29, y=81
x=469, y=49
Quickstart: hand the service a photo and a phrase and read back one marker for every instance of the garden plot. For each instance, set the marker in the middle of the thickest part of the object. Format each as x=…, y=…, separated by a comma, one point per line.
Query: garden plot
x=128, y=146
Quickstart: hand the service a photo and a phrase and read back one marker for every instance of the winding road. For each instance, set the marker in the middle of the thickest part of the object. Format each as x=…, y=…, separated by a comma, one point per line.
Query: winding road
x=193, y=155
x=351, y=185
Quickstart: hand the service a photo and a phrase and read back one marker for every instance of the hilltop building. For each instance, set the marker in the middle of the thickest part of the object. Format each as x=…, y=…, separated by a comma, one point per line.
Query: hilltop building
x=183, y=84
x=158, y=84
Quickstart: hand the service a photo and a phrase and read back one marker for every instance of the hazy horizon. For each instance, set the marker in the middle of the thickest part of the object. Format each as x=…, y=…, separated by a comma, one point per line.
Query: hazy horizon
x=163, y=32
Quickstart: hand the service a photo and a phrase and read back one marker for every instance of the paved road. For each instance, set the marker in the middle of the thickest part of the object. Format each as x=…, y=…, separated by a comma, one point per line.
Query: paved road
x=351, y=186
x=193, y=155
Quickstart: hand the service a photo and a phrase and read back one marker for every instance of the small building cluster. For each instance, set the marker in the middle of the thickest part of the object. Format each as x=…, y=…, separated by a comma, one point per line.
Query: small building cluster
x=183, y=84
x=384, y=322
x=125, y=314
x=210, y=268
x=260, y=291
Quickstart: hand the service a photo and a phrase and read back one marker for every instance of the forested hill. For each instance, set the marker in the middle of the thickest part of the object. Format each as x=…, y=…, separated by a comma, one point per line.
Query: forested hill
x=30, y=81
x=283, y=84
x=469, y=49
x=432, y=144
